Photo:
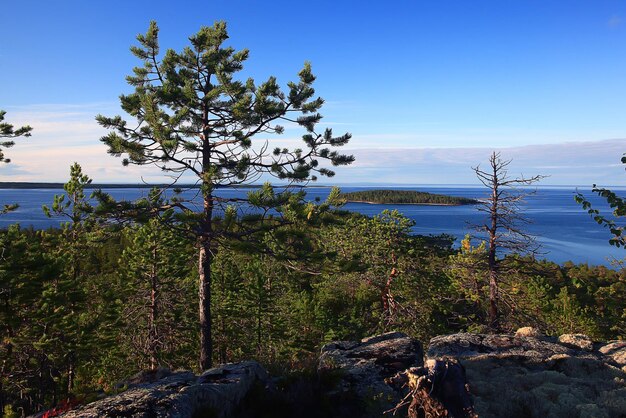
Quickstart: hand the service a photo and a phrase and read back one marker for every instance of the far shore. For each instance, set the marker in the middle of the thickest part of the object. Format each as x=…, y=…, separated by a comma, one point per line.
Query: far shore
x=34, y=185
x=391, y=203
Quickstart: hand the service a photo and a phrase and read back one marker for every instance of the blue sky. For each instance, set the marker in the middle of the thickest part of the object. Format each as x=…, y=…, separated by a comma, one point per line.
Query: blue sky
x=427, y=88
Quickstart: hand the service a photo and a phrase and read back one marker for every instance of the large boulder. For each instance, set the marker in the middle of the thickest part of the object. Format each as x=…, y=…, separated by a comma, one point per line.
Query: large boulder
x=215, y=393
x=362, y=366
x=513, y=376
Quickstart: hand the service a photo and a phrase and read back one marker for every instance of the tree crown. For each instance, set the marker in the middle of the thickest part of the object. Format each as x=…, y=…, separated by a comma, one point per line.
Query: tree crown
x=194, y=116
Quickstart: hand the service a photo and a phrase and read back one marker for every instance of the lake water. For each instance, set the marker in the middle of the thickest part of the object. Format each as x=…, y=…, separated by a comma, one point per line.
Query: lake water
x=564, y=230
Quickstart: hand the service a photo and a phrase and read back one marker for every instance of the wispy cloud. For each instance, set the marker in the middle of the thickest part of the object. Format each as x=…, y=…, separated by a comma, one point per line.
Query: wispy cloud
x=566, y=163
x=64, y=134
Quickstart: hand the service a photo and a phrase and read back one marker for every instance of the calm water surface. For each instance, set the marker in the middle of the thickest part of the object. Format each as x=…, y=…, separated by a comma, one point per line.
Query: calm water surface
x=565, y=232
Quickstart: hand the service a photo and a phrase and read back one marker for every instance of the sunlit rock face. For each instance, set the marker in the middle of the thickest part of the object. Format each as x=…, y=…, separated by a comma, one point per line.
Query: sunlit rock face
x=578, y=341
x=616, y=351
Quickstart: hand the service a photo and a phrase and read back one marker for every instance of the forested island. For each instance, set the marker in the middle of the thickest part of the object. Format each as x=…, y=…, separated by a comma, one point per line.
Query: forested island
x=405, y=197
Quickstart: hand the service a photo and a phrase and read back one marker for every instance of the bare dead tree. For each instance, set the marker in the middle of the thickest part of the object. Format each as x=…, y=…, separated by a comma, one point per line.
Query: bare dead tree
x=504, y=223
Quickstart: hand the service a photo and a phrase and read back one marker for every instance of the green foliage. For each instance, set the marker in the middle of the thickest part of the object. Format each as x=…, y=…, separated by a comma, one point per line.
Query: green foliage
x=68, y=292
x=24, y=270
x=618, y=207
x=470, y=284
x=156, y=286
x=8, y=131
x=555, y=299
x=73, y=204
x=405, y=197
x=566, y=316
x=382, y=278
x=190, y=106
x=78, y=301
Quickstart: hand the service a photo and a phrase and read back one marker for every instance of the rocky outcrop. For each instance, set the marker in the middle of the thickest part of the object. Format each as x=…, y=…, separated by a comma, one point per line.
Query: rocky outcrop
x=215, y=393
x=527, y=332
x=513, y=376
x=521, y=375
x=363, y=366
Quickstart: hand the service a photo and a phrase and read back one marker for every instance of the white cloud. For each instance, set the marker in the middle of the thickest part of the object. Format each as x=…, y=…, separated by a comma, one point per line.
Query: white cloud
x=64, y=134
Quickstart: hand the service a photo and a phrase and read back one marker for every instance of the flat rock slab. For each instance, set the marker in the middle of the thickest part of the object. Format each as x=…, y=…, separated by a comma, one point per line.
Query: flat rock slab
x=471, y=345
x=215, y=393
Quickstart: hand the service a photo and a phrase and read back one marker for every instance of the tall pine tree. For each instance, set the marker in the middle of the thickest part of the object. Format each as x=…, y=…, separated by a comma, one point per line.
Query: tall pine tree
x=194, y=118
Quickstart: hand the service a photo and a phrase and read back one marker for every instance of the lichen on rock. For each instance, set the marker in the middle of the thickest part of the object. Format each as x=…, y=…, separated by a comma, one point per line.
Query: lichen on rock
x=513, y=376
x=182, y=394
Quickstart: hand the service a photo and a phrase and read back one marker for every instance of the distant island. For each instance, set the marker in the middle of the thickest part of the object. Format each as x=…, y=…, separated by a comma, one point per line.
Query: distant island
x=405, y=197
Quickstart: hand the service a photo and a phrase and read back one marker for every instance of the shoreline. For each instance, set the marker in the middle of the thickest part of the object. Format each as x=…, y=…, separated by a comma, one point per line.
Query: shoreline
x=420, y=204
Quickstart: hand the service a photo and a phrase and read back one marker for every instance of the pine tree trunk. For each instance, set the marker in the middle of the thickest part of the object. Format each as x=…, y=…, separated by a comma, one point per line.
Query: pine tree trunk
x=206, y=249
x=259, y=325
x=492, y=262
x=204, y=287
x=493, y=282
x=71, y=357
x=204, y=267
x=152, y=330
x=493, y=296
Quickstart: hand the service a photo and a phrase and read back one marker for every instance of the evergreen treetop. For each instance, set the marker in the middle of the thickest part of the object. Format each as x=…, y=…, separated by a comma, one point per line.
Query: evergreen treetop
x=193, y=115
